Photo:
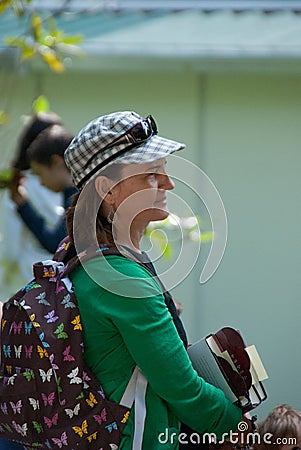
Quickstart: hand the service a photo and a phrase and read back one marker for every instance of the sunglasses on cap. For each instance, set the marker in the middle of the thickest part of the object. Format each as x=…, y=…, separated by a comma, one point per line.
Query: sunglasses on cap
x=135, y=136
x=138, y=134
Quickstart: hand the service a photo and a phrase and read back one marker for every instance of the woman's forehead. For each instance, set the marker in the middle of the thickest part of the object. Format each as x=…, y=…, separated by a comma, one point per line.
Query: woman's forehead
x=136, y=169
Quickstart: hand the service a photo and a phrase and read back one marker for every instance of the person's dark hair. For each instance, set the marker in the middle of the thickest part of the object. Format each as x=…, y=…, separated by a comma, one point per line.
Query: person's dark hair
x=35, y=126
x=89, y=212
x=52, y=141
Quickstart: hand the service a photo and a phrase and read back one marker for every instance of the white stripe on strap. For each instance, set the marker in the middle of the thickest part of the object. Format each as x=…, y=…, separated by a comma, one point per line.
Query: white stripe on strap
x=136, y=390
x=140, y=410
x=128, y=397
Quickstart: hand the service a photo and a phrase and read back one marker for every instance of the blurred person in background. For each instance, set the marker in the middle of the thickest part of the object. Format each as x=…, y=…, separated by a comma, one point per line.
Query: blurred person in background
x=280, y=430
x=46, y=159
x=19, y=248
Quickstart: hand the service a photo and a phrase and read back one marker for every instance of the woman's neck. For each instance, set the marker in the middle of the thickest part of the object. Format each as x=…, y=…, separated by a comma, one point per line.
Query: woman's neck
x=129, y=236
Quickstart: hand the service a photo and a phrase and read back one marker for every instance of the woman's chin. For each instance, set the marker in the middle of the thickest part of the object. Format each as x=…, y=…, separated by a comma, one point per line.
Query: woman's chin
x=159, y=214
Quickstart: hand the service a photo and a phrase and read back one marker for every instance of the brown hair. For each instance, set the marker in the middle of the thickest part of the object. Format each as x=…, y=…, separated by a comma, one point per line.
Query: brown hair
x=283, y=422
x=38, y=122
x=52, y=141
x=85, y=217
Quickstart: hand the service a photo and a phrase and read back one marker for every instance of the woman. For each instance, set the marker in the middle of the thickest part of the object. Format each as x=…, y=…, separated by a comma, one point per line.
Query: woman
x=118, y=164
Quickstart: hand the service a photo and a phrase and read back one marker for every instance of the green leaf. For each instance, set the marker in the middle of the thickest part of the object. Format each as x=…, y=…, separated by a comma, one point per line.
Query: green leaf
x=160, y=239
x=36, y=26
x=28, y=52
x=27, y=46
x=3, y=118
x=40, y=104
x=4, y=4
x=72, y=39
x=15, y=42
x=207, y=236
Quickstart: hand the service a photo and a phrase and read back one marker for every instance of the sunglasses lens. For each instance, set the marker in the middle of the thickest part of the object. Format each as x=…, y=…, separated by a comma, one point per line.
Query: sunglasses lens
x=141, y=131
x=144, y=130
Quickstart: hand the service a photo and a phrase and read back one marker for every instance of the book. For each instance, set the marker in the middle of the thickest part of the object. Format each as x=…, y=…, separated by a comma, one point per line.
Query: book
x=223, y=360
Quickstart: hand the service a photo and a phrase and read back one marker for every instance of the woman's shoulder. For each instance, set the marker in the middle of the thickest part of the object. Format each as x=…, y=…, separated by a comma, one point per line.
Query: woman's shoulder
x=119, y=263
x=120, y=275
x=128, y=266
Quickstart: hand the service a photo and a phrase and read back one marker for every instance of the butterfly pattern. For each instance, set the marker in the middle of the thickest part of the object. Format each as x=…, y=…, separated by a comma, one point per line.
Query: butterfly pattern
x=16, y=407
x=73, y=412
x=48, y=399
x=51, y=421
x=67, y=355
x=102, y=417
x=28, y=327
x=28, y=351
x=51, y=317
x=60, y=441
x=44, y=381
x=82, y=429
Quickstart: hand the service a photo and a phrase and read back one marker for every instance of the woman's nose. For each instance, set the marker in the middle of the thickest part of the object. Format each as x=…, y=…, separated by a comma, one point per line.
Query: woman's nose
x=167, y=183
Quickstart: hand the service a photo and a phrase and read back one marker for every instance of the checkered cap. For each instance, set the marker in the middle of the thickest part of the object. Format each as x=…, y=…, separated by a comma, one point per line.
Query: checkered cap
x=100, y=133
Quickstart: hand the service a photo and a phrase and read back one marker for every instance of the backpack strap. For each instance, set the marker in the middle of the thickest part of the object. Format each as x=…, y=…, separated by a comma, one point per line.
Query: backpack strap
x=65, y=251
x=140, y=410
x=136, y=390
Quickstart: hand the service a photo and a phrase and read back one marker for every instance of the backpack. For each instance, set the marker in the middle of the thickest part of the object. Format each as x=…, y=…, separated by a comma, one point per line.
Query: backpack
x=49, y=398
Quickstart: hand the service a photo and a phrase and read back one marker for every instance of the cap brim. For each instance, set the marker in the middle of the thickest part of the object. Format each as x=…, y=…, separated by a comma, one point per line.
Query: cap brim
x=153, y=149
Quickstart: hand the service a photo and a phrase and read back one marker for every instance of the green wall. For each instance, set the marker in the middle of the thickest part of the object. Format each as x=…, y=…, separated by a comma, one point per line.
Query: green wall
x=252, y=152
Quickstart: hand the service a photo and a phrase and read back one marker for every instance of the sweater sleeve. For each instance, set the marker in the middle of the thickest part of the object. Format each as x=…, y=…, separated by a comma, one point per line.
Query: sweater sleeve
x=150, y=336
x=49, y=238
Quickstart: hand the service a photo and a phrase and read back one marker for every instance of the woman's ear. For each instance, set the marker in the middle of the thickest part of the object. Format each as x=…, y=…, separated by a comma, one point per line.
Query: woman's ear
x=103, y=186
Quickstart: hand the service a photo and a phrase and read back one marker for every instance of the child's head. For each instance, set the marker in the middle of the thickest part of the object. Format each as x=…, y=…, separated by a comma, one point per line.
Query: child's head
x=37, y=123
x=46, y=157
x=281, y=430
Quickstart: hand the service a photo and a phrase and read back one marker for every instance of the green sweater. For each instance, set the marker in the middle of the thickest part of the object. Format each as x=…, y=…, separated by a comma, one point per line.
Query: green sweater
x=126, y=323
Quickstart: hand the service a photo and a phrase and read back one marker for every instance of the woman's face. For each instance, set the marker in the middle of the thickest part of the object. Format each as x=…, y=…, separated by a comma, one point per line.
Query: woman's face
x=141, y=195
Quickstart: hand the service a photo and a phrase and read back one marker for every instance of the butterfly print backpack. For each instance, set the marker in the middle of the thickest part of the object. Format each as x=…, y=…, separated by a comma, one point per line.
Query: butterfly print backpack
x=49, y=398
